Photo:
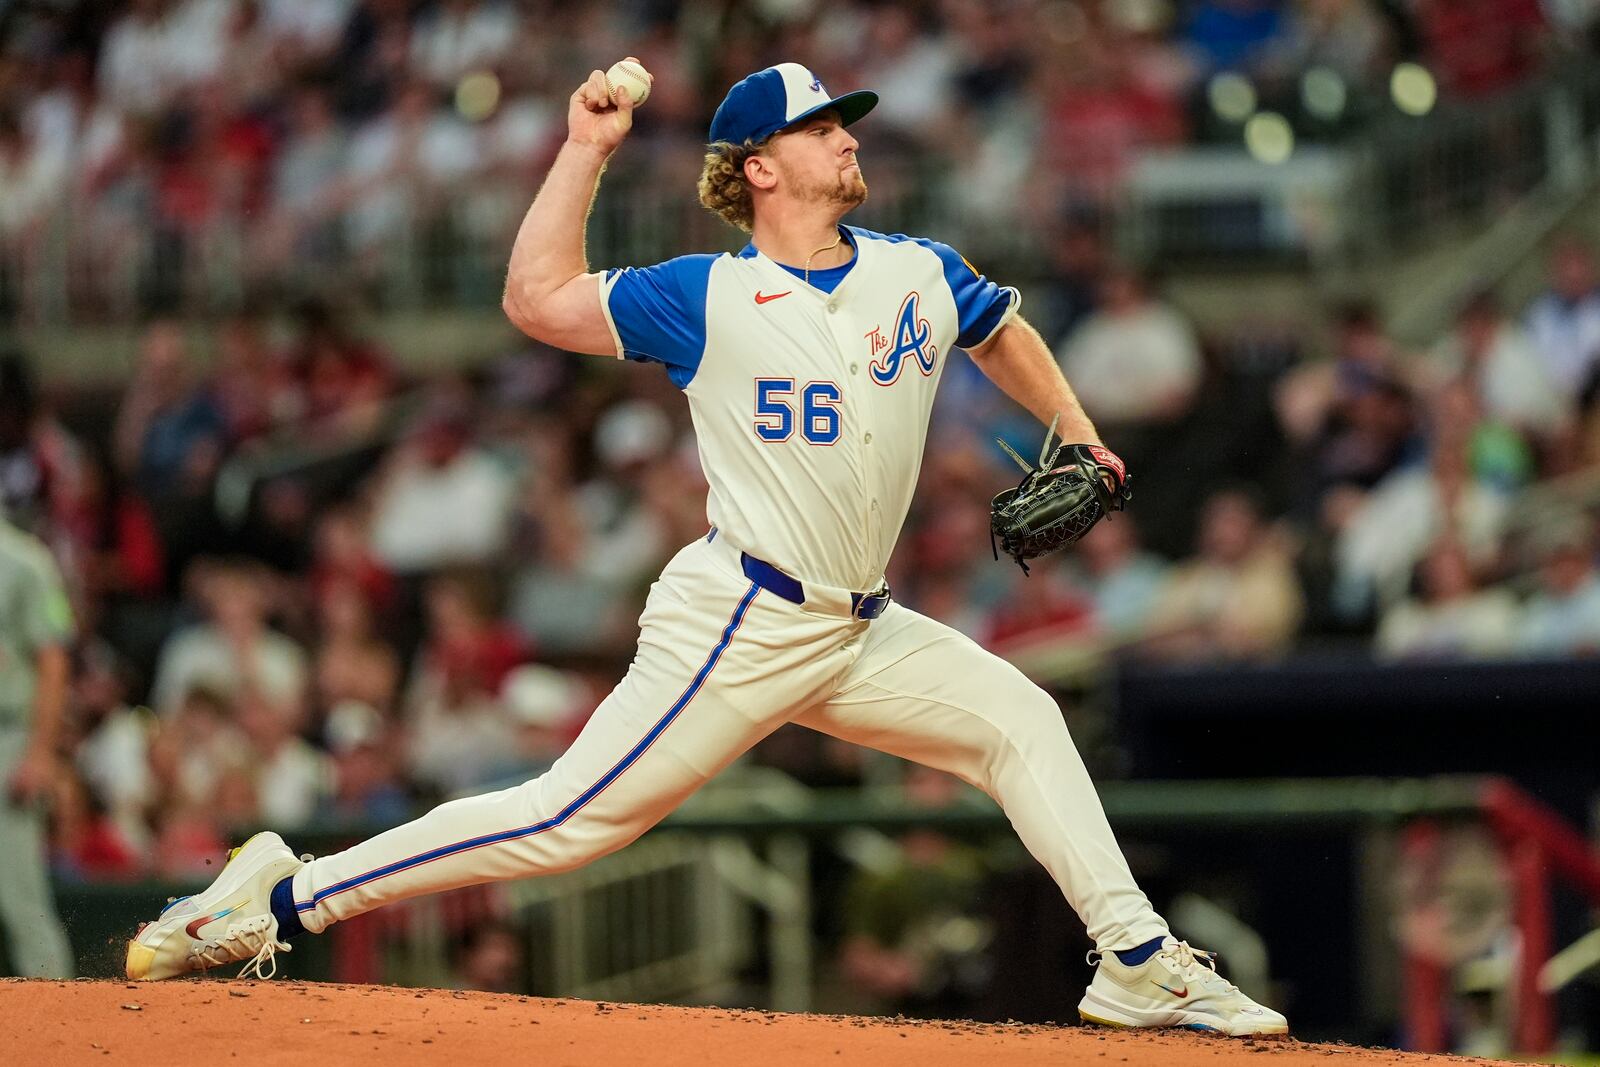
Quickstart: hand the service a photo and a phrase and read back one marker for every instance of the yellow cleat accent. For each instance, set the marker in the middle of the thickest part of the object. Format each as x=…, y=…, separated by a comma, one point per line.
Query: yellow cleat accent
x=232, y=852
x=140, y=958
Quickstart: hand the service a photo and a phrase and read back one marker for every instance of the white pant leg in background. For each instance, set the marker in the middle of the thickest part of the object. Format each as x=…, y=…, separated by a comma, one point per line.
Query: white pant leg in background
x=35, y=939
x=923, y=691
x=721, y=664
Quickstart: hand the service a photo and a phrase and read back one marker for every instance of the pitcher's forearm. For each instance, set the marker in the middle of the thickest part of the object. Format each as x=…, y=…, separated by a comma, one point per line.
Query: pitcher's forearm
x=1020, y=364
x=549, y=250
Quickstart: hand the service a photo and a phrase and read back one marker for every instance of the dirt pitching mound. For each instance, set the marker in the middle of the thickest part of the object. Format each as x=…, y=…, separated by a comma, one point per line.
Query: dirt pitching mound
x=205, y=1023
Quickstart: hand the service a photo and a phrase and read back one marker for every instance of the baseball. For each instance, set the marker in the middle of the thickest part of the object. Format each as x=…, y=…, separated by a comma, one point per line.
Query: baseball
x=628, y=74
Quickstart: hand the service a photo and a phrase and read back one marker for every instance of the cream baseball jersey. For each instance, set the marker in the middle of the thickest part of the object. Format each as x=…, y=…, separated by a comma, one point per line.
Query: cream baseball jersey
x=811, y=407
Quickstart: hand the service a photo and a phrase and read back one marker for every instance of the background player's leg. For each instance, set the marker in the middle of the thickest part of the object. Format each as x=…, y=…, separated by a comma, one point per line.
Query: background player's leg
x=716, y=671
x=35, y=940
x=925, y=692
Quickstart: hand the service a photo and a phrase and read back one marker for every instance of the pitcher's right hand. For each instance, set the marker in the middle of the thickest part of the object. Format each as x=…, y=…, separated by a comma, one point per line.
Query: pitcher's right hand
x=593, y=120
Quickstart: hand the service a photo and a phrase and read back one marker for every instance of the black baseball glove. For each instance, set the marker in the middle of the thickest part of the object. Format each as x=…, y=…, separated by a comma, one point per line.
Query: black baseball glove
x=1058, y=501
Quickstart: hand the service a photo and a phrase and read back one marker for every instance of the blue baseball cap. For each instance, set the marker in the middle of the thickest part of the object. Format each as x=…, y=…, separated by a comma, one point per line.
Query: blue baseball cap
x=768, y=100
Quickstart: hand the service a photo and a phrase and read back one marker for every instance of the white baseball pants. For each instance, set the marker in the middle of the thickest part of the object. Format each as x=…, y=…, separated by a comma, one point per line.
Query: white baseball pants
x=721, y=664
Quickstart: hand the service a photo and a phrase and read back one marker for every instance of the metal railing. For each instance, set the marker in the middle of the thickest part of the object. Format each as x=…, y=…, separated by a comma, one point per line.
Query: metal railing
x=107, y=259
x=90, y=263
x=651, y=923
x=1397, y=180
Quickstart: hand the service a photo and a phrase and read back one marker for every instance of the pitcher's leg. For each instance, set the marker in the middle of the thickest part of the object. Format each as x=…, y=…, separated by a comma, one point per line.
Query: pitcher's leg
x=683, y=712
x=925, y=692
x=720, y=665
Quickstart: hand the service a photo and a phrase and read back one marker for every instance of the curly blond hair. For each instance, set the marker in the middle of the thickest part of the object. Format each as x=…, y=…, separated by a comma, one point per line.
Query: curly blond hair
x=723, y=189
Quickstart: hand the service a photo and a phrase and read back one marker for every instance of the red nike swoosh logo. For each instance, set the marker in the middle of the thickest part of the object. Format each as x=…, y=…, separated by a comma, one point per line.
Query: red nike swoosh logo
x=1180, y=993
x=762, y=298
x=193, y=929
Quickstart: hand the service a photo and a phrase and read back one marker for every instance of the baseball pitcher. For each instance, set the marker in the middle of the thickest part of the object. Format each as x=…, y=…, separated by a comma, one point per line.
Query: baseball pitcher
x=809, y=360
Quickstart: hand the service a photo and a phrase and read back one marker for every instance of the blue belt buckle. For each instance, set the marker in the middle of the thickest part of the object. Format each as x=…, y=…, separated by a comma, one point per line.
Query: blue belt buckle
x=868, y=606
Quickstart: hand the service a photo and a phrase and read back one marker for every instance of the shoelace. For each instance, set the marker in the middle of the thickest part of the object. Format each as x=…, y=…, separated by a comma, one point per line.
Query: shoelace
x=1195, y=961
x=1191, y=962
x=247, y=936
x=265, y=962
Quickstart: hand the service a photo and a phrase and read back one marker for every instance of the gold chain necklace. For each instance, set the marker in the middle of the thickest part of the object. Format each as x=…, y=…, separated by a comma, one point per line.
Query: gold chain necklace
x=818, y=252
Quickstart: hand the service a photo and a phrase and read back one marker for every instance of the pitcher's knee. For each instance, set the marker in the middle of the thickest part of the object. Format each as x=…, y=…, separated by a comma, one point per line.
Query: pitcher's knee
x=1036, y=726
x=1037, y=709
x=563, y=838
x=581, y=841
x=1025, y=724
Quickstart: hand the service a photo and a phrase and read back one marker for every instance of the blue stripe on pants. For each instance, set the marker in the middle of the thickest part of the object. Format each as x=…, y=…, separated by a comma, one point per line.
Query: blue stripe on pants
x=577, y=805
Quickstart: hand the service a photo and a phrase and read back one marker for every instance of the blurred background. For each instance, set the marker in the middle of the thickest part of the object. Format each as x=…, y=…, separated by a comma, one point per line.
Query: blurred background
x=340, y=543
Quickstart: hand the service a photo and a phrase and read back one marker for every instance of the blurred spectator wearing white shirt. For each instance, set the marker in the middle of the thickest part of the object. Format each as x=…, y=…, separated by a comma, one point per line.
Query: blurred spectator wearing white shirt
x=627, y=539
x=233, y=653
x=1451, y=618
x=133, y=69
x=292, y=778
x=911, y=70
x=1500, y=362
x=31, y=185
x=399, y=166
x=1135, y=359
x=457, y=37
x=554, y=601
x=546, y=707
x=1405, y=513
x=442, y=500
x=160, y=47
x=197, y=34
x=1563, y=617
x=1565, y=322
x=113, y=757
x=31, y=180
x=307, y=184
x=516, y=142
x=59, y=118
x=310, y=27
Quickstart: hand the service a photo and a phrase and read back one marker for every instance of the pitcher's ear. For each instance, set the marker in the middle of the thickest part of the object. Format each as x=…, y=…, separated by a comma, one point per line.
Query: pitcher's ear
x=759, y=172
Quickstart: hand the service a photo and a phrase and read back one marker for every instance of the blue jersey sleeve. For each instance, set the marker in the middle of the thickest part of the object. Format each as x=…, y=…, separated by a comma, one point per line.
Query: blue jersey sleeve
x=981, y=306
x=658, y=314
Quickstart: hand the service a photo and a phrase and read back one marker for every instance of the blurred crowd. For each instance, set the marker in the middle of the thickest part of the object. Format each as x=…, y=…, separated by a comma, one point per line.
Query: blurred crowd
x=1427, y=504
x=434, y=581
x=152, y=150
x=431, y=582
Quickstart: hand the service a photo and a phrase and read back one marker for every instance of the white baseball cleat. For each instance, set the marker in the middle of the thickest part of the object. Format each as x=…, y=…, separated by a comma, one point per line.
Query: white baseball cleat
x=1177, y=986
x=230, y=921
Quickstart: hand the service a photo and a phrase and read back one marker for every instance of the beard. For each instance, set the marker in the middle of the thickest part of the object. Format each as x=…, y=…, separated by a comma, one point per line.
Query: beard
x=847, y=190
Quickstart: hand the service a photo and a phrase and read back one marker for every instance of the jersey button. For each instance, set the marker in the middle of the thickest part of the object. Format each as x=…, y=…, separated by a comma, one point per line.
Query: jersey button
x=868, y=438
x=832, y=307
x=854, y=368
